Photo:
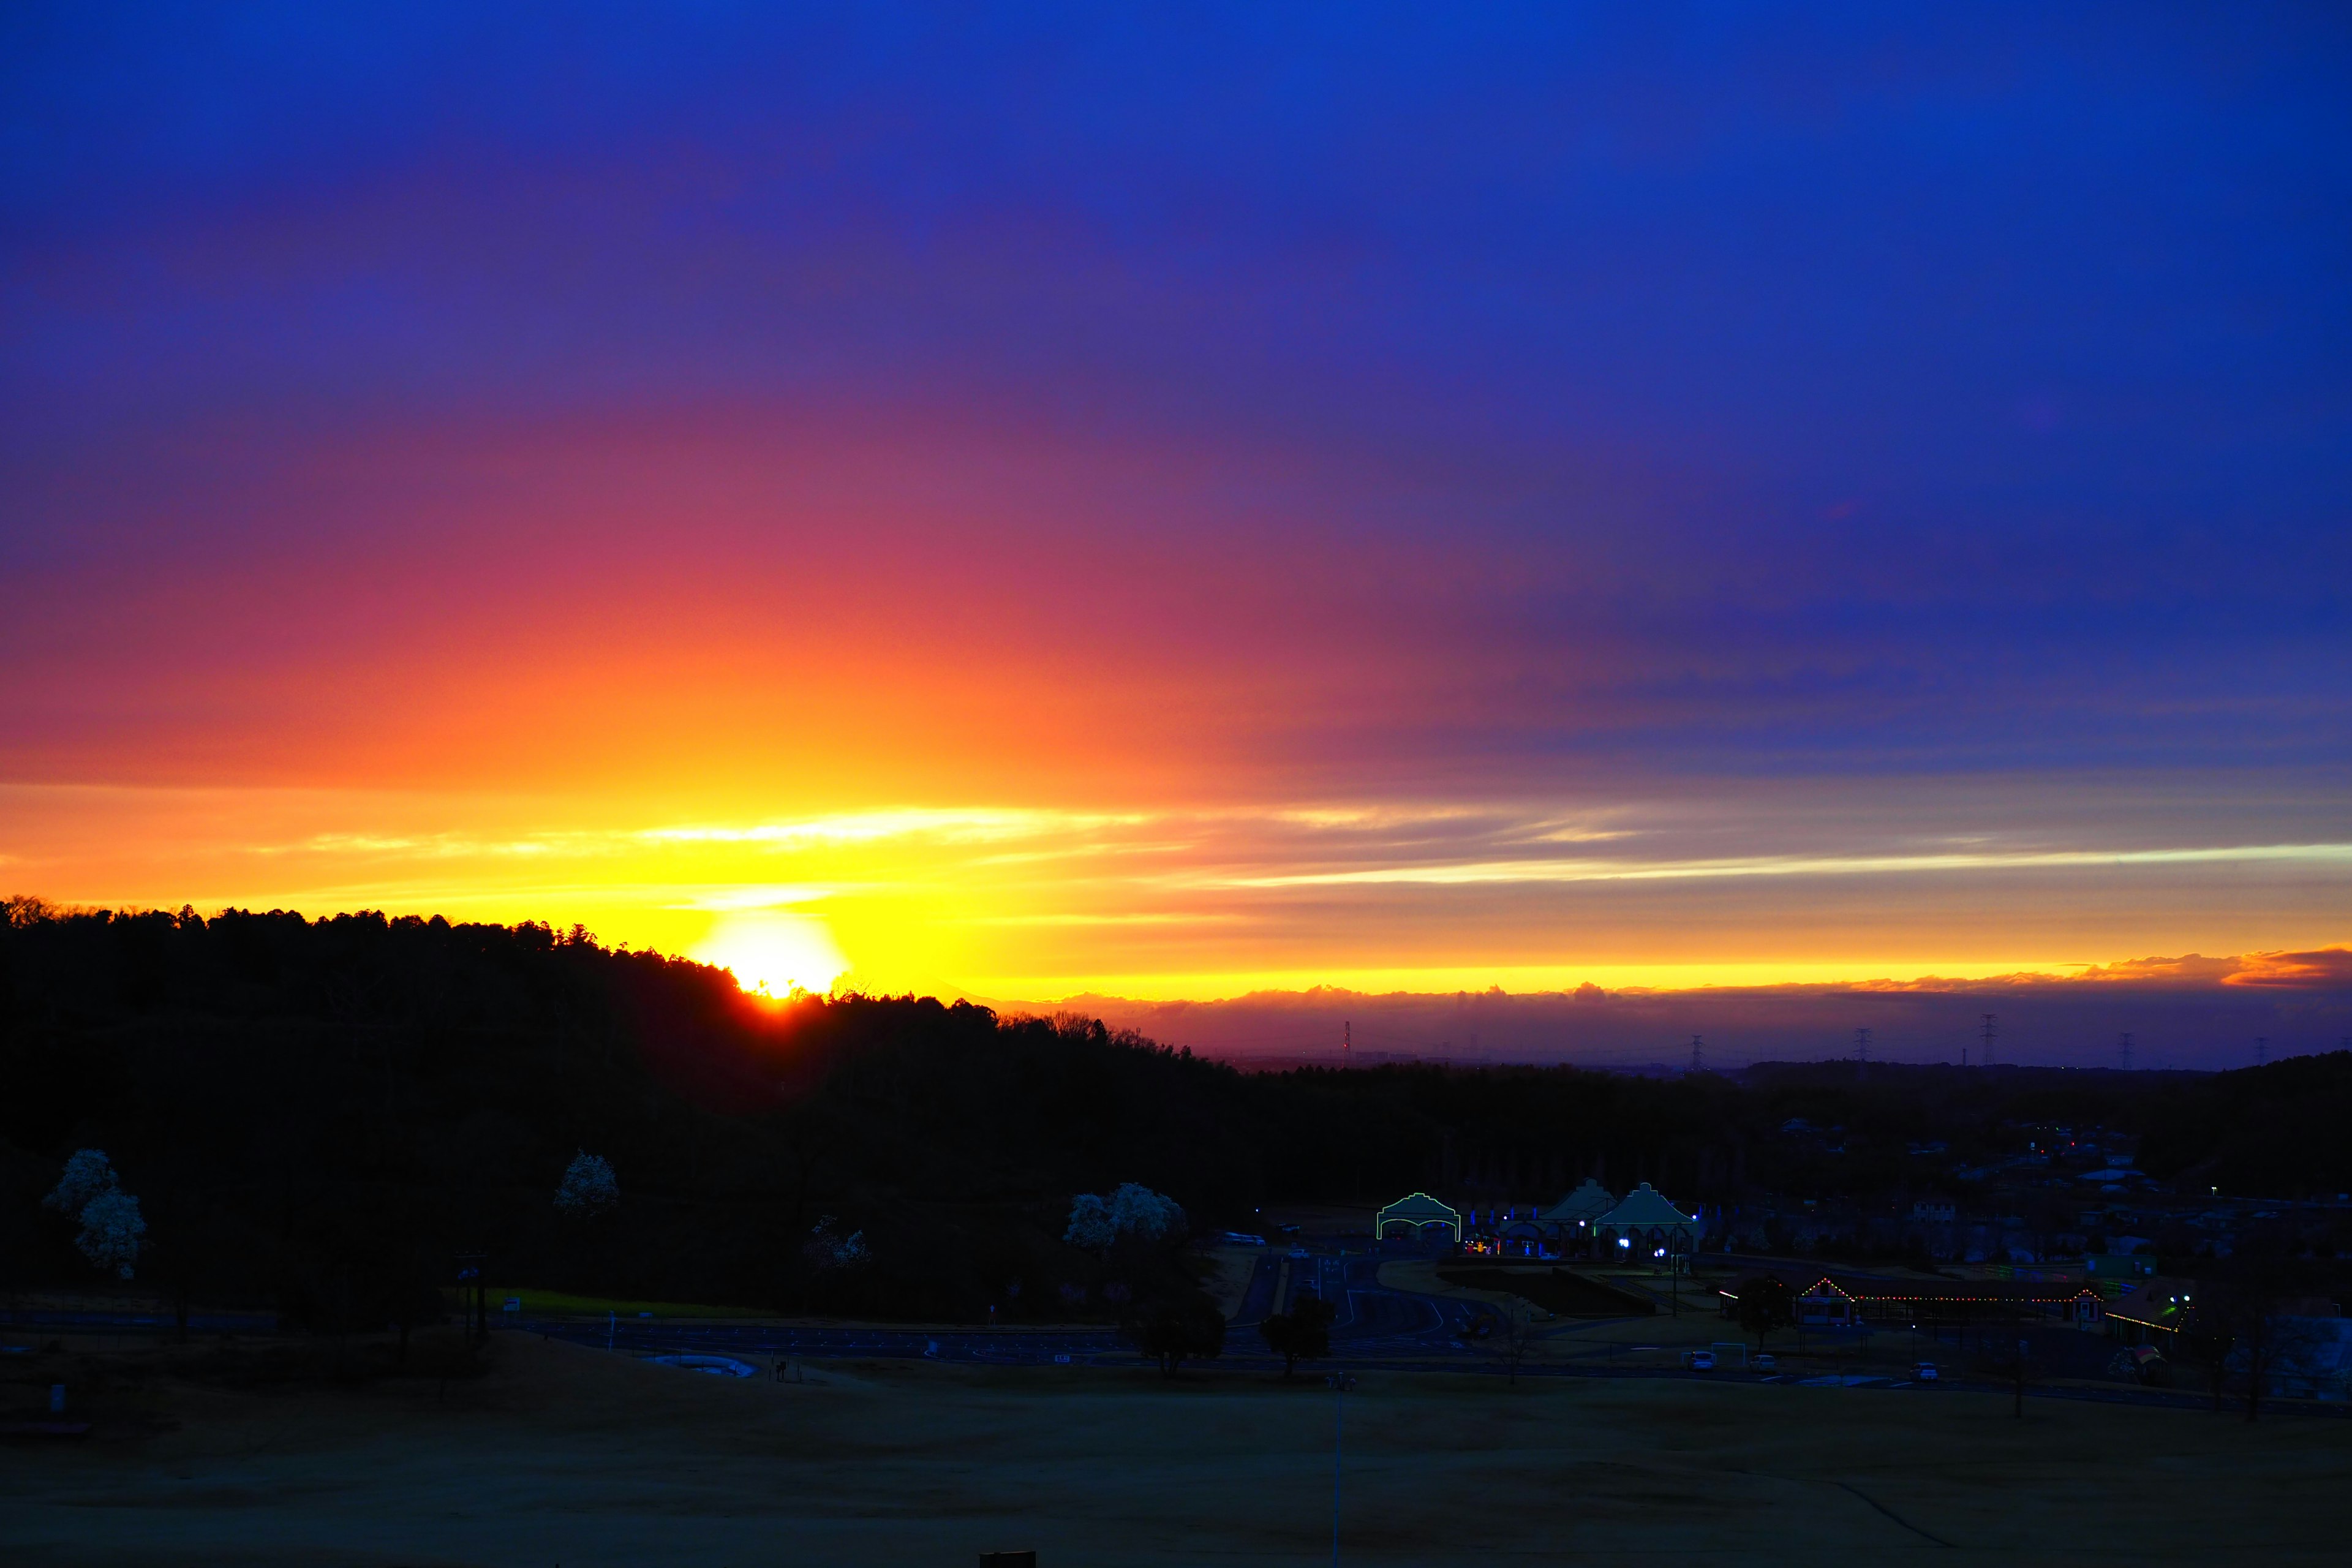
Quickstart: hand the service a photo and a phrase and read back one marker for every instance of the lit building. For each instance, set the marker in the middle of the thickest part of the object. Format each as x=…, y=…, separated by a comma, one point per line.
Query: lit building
x=1644, y=1225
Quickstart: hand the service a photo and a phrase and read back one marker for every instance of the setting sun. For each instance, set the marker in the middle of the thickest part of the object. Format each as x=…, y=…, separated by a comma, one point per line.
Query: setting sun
x=774, y=952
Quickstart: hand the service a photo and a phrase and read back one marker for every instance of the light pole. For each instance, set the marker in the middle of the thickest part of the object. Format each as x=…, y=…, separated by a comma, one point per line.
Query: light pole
x=1340, y=1381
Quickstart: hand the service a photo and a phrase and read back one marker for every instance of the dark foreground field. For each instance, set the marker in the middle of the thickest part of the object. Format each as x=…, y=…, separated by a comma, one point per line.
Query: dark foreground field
x=571, y=1456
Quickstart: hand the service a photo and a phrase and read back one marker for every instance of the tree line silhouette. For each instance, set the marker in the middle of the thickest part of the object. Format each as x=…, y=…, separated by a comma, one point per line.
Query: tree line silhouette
x=321, y=1115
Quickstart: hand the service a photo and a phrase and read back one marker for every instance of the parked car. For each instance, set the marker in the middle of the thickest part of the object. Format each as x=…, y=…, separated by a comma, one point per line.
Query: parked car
x=1763, y=1360
x=1925, y=1372
x=1699, y=1361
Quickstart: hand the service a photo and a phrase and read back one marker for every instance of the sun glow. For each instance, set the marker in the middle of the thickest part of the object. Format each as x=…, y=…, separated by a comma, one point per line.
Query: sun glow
x=773, y=950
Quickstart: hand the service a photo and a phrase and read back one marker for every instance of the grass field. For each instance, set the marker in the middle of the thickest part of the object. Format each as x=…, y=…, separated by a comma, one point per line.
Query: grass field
x=564, y=1456
x=1556, y=1291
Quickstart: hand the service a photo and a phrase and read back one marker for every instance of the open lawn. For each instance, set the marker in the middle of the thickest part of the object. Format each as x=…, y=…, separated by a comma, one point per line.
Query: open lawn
x=1561, y=1291
x=568, y=1456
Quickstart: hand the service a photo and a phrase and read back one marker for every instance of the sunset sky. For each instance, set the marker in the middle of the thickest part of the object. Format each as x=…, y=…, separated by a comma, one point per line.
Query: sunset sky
x=1026, y=501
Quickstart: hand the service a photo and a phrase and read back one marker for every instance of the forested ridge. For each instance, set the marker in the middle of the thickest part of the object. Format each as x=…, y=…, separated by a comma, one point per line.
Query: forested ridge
x=320, y=1115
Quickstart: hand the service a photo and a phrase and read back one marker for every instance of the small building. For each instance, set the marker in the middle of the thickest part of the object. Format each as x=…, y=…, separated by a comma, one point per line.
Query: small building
x=1643, y=1223
x=1415, y=1215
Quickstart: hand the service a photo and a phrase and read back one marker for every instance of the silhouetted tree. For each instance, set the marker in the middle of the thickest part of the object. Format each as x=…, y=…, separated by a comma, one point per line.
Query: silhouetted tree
x=1766, y=1306
x=2251, y=1317
x=1303, y=1333
x=1174, y=1329
x=1518, y=1337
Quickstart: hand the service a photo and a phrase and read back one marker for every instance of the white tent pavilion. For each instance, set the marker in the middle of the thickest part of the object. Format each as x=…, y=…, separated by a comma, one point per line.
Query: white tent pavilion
x=1417, y=1212
x=1645, y=1221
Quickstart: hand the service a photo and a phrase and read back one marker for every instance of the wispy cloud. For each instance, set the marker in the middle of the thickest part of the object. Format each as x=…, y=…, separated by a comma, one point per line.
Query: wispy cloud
x=1587, y=870
x=946, y=825
x=731, y=901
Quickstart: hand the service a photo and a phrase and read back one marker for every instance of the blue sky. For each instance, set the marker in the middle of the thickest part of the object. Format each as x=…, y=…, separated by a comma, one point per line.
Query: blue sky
x=1831, y=431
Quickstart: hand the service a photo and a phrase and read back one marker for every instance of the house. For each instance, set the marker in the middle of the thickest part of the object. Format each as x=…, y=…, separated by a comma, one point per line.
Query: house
x=1416, y=1216
x=1645, y=1224
x=1845, y=1300
x=2154, y=1311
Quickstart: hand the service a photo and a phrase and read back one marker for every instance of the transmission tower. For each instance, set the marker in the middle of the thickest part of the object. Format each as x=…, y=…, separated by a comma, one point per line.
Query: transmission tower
x=2123, y=1051
x=1698, y=1054
x=1862, y=1045
x=1347, y=1044
x=2261, y=1049
x=1989, y=1031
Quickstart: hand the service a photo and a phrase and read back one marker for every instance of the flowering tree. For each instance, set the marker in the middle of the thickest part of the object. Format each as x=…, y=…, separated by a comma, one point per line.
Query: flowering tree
x=110, y=1229
x=1090, y=1224
x=87, y=1174
x=110, y=1226
x=826, y=1248
x=1133, y=1210
x=589, y=1187
x=1138, y=1211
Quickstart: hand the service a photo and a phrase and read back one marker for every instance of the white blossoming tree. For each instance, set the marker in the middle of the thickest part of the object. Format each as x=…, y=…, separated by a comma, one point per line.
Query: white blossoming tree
x=110, y=1229
x=1096, y=1223
x=1137, y=1210
x=829, y=1254
x=829, y=1248
x=87, y=1174
x=1090, y=1224
x=589, y=1189
x=91, y=1191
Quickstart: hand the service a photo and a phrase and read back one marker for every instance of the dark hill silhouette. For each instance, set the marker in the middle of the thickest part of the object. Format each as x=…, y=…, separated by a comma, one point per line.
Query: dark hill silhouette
x=322, y=1114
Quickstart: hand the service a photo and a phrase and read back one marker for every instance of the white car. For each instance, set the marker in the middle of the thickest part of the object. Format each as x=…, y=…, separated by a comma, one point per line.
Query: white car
x=1925, y=1372
x=1763, y=1360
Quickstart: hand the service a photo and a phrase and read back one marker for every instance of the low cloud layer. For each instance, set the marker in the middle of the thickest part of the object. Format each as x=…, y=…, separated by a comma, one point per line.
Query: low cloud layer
x=2190, y=1011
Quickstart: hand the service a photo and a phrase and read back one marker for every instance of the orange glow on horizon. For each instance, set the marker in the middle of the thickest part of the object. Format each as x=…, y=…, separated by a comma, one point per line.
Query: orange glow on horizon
x=1035, y=904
